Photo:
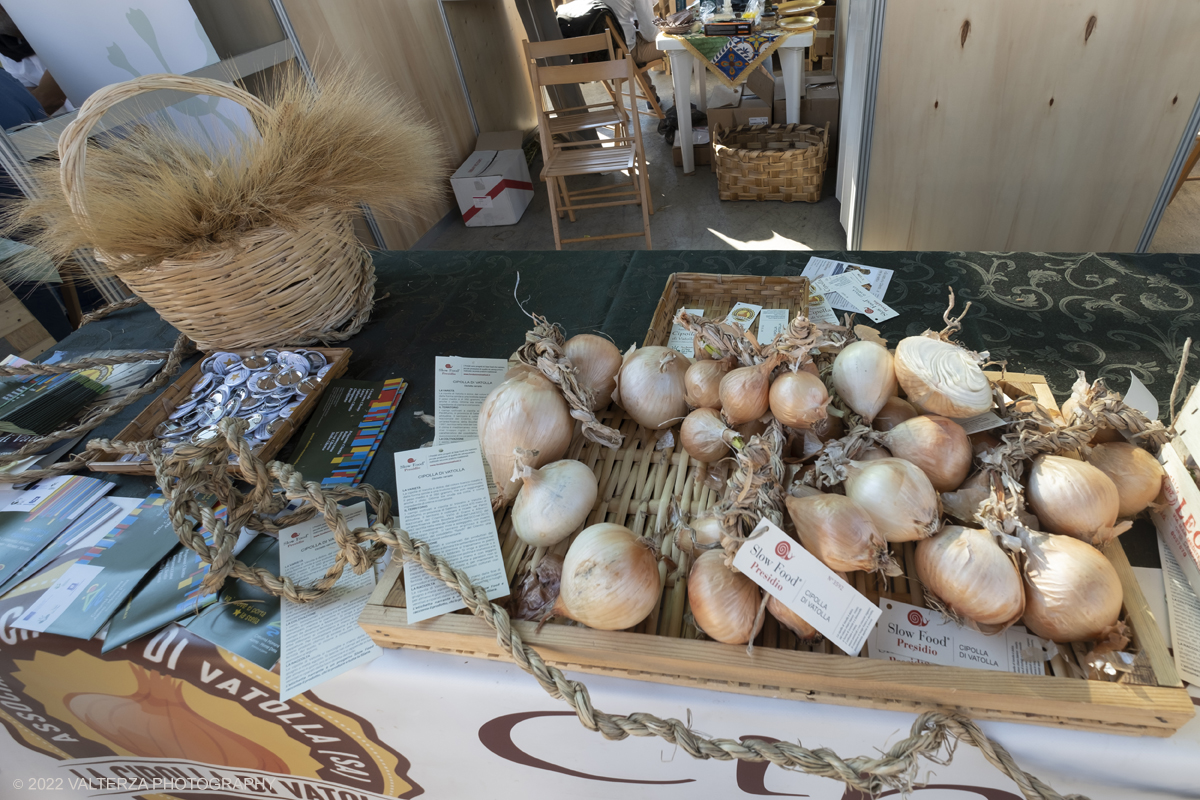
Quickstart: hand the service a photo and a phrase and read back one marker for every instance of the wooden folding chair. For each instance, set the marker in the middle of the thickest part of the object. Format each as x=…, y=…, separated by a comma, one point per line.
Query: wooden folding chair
x=624, y=153
x=646, y=89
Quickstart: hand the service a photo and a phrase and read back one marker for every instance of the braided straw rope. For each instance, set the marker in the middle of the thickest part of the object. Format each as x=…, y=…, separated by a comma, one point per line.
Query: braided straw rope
x=191, y=471
x=273, y=286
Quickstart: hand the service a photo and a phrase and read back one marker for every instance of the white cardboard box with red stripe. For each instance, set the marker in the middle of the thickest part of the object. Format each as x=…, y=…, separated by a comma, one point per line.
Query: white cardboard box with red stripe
x=493, y=186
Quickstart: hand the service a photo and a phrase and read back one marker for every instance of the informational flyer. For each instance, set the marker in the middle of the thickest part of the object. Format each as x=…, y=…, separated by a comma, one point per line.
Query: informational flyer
x=848, y=287
x=906, y=632
x=460, y=385
x=340, y=439
x=30, y=520
x=1178, y=519
x=771, y=323
x=321, y=639
x=821, y=307
x=1183, y=611
x=247, y=620
x=681, y=339
x=442, y=499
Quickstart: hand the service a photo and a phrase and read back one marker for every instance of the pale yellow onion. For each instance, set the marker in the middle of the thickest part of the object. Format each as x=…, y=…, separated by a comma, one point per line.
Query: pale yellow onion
x=745, y=392
x=705, y=436
x=1137, y=475
x=937, y=445
x=972, y=576
x=525, y=412
x=610, y=578
x=755, y=427
x=840, y=533
x=650, y=386
x=832, y=427
x=701, y=533
x=553, y=502
x=724, y=603
x=702, y=382
x=791, y=620
x=597, y=362
x=897, y=496
x=1072, y=592
x=873, y=453
x=1074, y=498
x=963, y=503
x=941, y=378
x=864, y=377
x=894, y=411
x=798, y=399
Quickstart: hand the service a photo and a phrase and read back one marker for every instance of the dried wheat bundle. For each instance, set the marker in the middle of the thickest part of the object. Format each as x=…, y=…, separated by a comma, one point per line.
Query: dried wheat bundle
x=156, y=194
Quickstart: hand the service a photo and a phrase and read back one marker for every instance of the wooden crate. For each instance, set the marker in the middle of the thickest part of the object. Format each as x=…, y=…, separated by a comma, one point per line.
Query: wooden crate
x=717, y=294
x=636, y=484
x=142, y=427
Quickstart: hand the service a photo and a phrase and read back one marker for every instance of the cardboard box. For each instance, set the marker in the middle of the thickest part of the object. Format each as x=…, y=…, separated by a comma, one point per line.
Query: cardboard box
x=820, y=105
x=701, y=148
x=761, y=84
x=826, y=16
x=492, y=186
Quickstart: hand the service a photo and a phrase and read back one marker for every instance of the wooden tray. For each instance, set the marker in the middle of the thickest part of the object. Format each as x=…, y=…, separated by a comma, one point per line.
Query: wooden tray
x=636, y=483
x=717, y=294
x=142, y=427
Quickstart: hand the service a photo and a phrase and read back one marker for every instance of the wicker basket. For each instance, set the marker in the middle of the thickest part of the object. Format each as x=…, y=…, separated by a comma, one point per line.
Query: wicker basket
x=771, y=162
x=271, y=287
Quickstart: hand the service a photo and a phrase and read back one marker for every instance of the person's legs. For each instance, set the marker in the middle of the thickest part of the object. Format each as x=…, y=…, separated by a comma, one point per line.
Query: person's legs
x=644, y=52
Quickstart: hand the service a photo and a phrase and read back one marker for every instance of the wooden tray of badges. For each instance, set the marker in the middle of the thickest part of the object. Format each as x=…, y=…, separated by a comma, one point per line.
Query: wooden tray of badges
x=636, y=483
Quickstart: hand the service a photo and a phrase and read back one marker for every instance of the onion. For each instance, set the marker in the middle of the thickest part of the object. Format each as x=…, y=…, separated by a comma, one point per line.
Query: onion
x=724, y=603
x=1137, y=474
x=864, y=377
x=609, y=578
x=937, y=445
x=982, y=442
x=897, y=496
x=798, y=399
x=894, y=411
x=650, y=386
x=1074, y=498
x=791, y=620
x=525, y=412
x=755, y=427
x=553, y=502
x=702, y=382
x=597, y=362
x=705, y=437
x=972, y=576
x=874, y=453
x=963, y=503
x=840, y=533
x=745, y=392
x=702, y=533
x=941, y=378
x=1072, y=592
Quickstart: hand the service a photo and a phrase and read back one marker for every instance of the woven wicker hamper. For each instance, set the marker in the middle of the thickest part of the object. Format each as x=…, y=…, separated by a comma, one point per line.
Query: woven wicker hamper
x=771, y=162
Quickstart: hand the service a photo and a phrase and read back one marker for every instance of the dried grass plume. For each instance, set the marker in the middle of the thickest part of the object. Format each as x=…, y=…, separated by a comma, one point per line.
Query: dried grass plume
x=156, y=194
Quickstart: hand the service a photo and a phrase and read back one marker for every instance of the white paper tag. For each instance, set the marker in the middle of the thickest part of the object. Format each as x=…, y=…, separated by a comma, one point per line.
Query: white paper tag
x=758, y=120
x=443, y=499
x=819, y=309
x=1184, y=615
x=1178, y=520
x=910, y=633
x=682, y=340
x=1187, y=424
x=482, y=202
x=981, y=422
x=848, y=286
x=874, y=279
x=771, y=323
x=743, y=315
x=801, y=582
x=1140, y=398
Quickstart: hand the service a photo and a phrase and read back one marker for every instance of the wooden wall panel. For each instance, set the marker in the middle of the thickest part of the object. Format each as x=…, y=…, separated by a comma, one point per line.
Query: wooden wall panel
x=488, y=35
x=404, y=43
x=1027, y=125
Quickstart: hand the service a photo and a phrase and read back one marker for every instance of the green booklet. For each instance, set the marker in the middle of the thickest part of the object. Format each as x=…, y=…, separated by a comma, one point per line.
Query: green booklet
x=341, y=437
x=32, y=519
x=246, y=620
x=103, y=512
x=87, y=594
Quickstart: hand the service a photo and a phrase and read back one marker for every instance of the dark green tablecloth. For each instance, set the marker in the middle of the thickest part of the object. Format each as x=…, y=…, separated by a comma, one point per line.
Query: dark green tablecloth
x=1046, y=313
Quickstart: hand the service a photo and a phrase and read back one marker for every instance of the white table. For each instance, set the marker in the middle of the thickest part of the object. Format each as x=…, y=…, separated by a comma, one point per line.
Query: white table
x=683, y=63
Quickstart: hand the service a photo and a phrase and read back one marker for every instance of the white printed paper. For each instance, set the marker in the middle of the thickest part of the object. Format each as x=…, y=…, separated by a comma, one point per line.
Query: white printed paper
x=30, y=498
x=460, y=385
x=849, y=288
x=819, y=309
x=743, y=315
x=321, y=639
x=58, y=598
x=1184, y=616
x=801, y=582
x=910, y=633
x=1178, y=519
x=1187, y=424
x=874, y=279
x=442, y=499
x=981, y=422
x=1154, y=589
x=682, y=340
x=1140, y=398
x=771, y=323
